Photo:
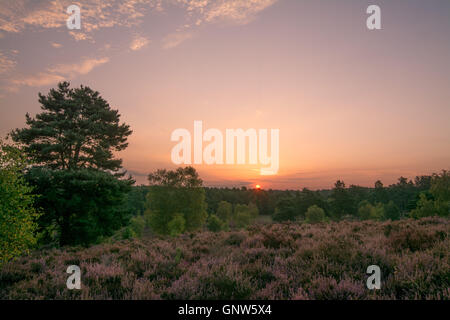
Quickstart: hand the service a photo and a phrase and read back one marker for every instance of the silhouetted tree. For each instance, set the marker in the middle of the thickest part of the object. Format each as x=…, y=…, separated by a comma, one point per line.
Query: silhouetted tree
x=341, y=201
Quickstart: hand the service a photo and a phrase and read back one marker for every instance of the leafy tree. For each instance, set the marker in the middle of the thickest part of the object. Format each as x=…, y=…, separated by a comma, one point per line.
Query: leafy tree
x=76, y=129
x=423, y=183
x=307, y=198
x=315, y=214
x=71, y=143
x=262, y=200
x=380, y=192
x=137, y=224
x=404, y=193
x=357, y=193
x=341, y=200
x=135, y=200
x=285, y=210
x=440, y=187
x=176, y=192
x=17, y=213
x=242, y=218
x=80, y=205
x=367, y=211
x=425, y=208
x=438, y=202
x=253, y=210
x=180, y=178
x=224, y=211
x=391, y=211
x=215, y=224
x=244, y=214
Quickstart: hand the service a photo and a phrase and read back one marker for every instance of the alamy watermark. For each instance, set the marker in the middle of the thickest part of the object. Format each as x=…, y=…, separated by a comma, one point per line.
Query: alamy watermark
x=373, y=21
x=74, y=20
x=374, y=281
x=220, y=151
x=74, y=280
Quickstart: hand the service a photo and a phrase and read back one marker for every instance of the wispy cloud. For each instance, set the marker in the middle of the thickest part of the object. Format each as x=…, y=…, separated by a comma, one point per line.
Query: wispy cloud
x=138, y=43
x=57, y=73
x=82, y=67
x=175, y=39
x=236, y=11
x=80, y=36
x=56, y=45
x=7, y=63
x=204, y=12
x=18, y=15
x=36, y=80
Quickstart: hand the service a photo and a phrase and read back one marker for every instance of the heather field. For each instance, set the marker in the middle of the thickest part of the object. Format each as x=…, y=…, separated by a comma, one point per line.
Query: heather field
x=265, y=261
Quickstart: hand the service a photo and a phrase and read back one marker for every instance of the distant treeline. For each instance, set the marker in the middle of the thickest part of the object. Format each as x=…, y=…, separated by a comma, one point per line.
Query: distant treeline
x=398, y=200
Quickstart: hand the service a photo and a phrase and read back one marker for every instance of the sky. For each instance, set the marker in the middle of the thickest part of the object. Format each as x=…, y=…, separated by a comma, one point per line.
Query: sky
x=350, y=103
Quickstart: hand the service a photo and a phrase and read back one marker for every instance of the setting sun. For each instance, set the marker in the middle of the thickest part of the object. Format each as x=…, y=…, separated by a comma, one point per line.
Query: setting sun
x=258, y=187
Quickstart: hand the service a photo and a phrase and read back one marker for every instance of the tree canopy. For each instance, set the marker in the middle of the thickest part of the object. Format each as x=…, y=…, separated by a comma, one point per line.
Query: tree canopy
x=175, y=195
x=71, y=144
x=17, y=213
x=76, y=129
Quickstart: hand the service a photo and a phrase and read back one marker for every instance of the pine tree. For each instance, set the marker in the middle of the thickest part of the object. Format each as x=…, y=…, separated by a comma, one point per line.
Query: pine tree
x=71, y=142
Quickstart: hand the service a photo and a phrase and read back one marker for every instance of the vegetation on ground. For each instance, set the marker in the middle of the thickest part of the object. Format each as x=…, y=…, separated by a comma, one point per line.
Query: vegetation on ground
x=266, y=261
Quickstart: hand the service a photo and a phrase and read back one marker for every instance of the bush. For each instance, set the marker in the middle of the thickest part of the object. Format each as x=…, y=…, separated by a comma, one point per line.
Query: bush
x=137, y=225
x=367, y=211
x=215, y=224
x=176, y=225
x=425, y=208
x=128, y=233
x=414, y=239
x=234, y=239
x=315, y=214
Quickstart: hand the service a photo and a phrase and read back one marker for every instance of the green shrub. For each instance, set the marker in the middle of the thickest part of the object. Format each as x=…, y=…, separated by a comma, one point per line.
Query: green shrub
x=425, y=208
x=315, y=214
x=215, y=224
x=128, y=233
x=177, y=225
x=137, y=225
x=367, y=211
